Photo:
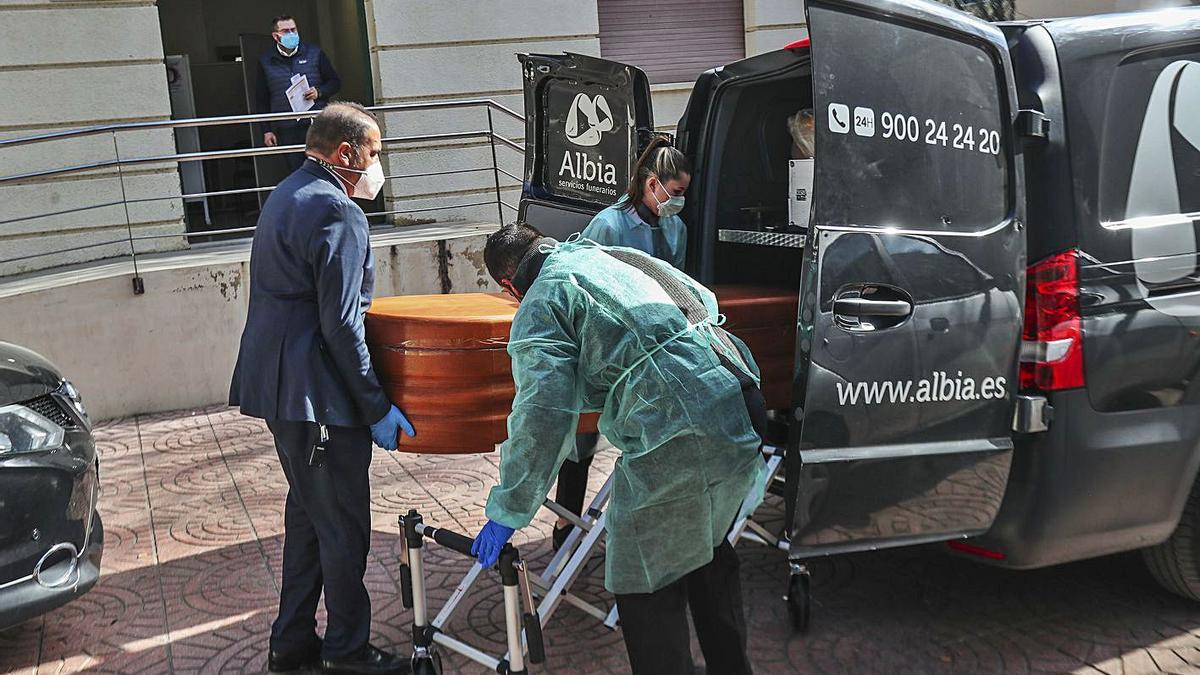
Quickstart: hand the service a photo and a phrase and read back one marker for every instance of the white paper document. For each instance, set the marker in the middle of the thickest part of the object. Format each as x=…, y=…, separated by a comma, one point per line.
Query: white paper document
x=295, y=94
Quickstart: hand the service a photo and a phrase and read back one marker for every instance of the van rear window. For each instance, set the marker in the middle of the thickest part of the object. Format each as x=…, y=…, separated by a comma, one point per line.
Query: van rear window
x=912, y=130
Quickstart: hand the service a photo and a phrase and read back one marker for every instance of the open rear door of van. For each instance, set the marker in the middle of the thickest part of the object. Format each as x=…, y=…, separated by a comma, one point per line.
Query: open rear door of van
x=912, y=281
x=585, y=119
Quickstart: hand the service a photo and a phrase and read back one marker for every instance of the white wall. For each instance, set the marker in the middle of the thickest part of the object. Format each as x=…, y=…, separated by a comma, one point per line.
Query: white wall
x=174, y=347
x=65, y=66
x=771, y=24
x=460, y=49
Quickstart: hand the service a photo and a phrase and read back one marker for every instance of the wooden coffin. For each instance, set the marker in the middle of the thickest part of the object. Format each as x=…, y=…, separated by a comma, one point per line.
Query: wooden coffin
x=442, y=359
x=765, y=319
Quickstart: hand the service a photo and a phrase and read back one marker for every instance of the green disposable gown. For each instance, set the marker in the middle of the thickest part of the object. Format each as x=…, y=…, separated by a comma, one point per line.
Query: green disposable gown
x=595, y=334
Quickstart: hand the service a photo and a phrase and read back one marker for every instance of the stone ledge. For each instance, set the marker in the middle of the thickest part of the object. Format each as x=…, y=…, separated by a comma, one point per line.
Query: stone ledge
x=206, y=255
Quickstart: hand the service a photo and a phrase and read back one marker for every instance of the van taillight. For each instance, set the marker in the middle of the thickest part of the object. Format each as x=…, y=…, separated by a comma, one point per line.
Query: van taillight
x=1052, y=345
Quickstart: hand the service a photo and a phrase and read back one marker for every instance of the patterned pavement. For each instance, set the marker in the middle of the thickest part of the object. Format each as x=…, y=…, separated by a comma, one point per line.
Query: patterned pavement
x=192, y=503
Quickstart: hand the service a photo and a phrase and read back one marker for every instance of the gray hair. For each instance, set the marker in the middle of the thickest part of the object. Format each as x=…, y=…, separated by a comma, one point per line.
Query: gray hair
x=337, y=124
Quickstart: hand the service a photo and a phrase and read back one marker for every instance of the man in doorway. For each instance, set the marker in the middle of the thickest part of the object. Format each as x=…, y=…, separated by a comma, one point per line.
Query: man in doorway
x=303, y=367
x=278, y=70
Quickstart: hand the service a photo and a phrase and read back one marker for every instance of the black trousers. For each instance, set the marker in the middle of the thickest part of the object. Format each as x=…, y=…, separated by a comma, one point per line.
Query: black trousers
x=573, y=476
x=293, y=135
x=327, y=533
x=655, y=625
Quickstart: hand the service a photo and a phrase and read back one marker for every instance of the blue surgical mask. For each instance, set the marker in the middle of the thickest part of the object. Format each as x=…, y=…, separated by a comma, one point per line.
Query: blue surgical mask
x=673, y=204
x=290, y=40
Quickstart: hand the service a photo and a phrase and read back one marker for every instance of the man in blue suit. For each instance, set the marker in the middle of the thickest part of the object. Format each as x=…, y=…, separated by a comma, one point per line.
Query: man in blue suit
x=303, y=366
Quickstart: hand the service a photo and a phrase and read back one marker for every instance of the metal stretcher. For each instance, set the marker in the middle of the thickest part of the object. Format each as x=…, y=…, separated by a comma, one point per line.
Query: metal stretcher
x=524, y=629
x=552, y=586
x=799, y=591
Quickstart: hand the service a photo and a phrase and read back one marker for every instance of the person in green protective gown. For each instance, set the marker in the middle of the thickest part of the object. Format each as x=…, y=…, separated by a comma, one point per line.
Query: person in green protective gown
x=647, y=218
x=604, y=329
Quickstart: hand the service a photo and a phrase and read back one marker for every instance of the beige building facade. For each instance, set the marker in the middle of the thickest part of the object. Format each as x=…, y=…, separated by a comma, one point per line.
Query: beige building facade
x=67, y=64
x=78, y=63
x=84, y=63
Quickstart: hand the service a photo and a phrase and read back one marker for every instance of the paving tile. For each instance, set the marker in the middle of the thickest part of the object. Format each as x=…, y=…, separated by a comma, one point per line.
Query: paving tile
x=184, y=528
x=233, y=644
x=123, y=614
x=20, y=647
x=193, y=508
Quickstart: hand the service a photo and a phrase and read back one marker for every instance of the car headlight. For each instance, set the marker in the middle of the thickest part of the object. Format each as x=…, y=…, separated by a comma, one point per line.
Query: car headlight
x=75, y=399
x=23, y=430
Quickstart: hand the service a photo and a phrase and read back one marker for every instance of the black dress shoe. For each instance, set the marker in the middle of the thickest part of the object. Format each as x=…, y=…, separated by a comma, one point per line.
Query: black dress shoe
x=369, y=661
x=559, y=536
x=291, y=661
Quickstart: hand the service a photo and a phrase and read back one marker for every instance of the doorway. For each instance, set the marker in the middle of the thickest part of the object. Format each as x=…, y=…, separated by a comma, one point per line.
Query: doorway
x=210, y=33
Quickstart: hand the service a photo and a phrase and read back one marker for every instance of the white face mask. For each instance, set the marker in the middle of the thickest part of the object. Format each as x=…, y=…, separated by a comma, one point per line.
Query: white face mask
x=673, y=204
x=370, y=184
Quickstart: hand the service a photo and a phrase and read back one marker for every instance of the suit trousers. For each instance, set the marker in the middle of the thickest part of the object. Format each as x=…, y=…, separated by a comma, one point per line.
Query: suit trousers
x=655, y=624
x=327, y=534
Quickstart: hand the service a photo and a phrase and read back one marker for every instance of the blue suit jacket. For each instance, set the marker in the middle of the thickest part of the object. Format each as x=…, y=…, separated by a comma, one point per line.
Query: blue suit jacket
x=303, y=354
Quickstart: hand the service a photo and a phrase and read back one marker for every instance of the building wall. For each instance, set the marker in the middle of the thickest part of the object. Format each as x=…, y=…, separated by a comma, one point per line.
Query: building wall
x=175, y=346
x=771, y=24
x=419, y=51
x=67, y=65
x=458, y=49
x=461, y=49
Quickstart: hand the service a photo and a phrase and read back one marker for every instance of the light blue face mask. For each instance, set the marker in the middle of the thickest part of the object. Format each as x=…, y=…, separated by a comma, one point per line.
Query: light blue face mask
x=673, y=204
x=290, y=40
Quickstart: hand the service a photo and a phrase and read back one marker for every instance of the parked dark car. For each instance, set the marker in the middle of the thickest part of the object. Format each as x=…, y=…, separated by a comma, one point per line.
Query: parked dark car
x=999, y=325
x=51, y=537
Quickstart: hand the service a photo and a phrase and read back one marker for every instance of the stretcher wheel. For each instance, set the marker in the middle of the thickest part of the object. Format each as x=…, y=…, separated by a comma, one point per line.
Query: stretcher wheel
x=799, y=600
x=429, y=665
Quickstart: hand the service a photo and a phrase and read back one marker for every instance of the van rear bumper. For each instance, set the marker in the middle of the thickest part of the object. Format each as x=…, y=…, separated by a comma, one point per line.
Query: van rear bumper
x=1095, y=483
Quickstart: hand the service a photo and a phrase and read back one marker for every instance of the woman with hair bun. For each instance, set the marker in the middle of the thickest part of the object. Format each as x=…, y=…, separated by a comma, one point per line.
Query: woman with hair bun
x=646, y=217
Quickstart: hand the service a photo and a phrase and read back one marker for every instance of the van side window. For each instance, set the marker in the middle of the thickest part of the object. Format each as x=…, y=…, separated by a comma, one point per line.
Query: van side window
x=912, y=128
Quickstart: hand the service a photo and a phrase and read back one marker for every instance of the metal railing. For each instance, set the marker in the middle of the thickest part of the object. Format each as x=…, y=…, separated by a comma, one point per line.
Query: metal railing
x=494, y=140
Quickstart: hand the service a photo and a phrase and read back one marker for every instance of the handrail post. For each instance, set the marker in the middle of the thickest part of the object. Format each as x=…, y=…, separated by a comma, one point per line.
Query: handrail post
x=139, y=286
x=495, y=165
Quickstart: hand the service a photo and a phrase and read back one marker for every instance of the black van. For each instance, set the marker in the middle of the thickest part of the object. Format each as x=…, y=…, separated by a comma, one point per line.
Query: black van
x=999, y=318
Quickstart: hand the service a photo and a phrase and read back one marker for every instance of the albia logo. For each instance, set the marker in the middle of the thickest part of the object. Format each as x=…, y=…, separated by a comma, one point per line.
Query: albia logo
x=588, y=119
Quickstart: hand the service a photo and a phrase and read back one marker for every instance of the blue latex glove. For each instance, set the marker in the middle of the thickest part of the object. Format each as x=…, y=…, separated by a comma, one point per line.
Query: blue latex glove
x=386, y=432
x=489, y=541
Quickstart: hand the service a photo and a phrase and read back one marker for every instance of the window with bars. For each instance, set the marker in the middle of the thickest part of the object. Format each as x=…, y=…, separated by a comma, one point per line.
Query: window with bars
x=672, y=40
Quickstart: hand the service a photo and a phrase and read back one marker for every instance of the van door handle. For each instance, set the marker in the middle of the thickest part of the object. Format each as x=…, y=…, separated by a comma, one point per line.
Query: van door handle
x=862, y=307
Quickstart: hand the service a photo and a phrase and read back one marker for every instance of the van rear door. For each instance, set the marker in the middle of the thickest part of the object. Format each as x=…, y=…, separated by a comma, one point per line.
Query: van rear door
x=585, y=119
x=912, y=280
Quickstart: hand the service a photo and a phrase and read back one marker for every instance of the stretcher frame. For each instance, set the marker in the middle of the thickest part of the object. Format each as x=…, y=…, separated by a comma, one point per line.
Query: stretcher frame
x=553, y=586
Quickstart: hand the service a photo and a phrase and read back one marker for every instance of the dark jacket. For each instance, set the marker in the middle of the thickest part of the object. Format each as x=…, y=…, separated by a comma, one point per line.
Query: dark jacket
x=303, y=354
x=275, y=76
